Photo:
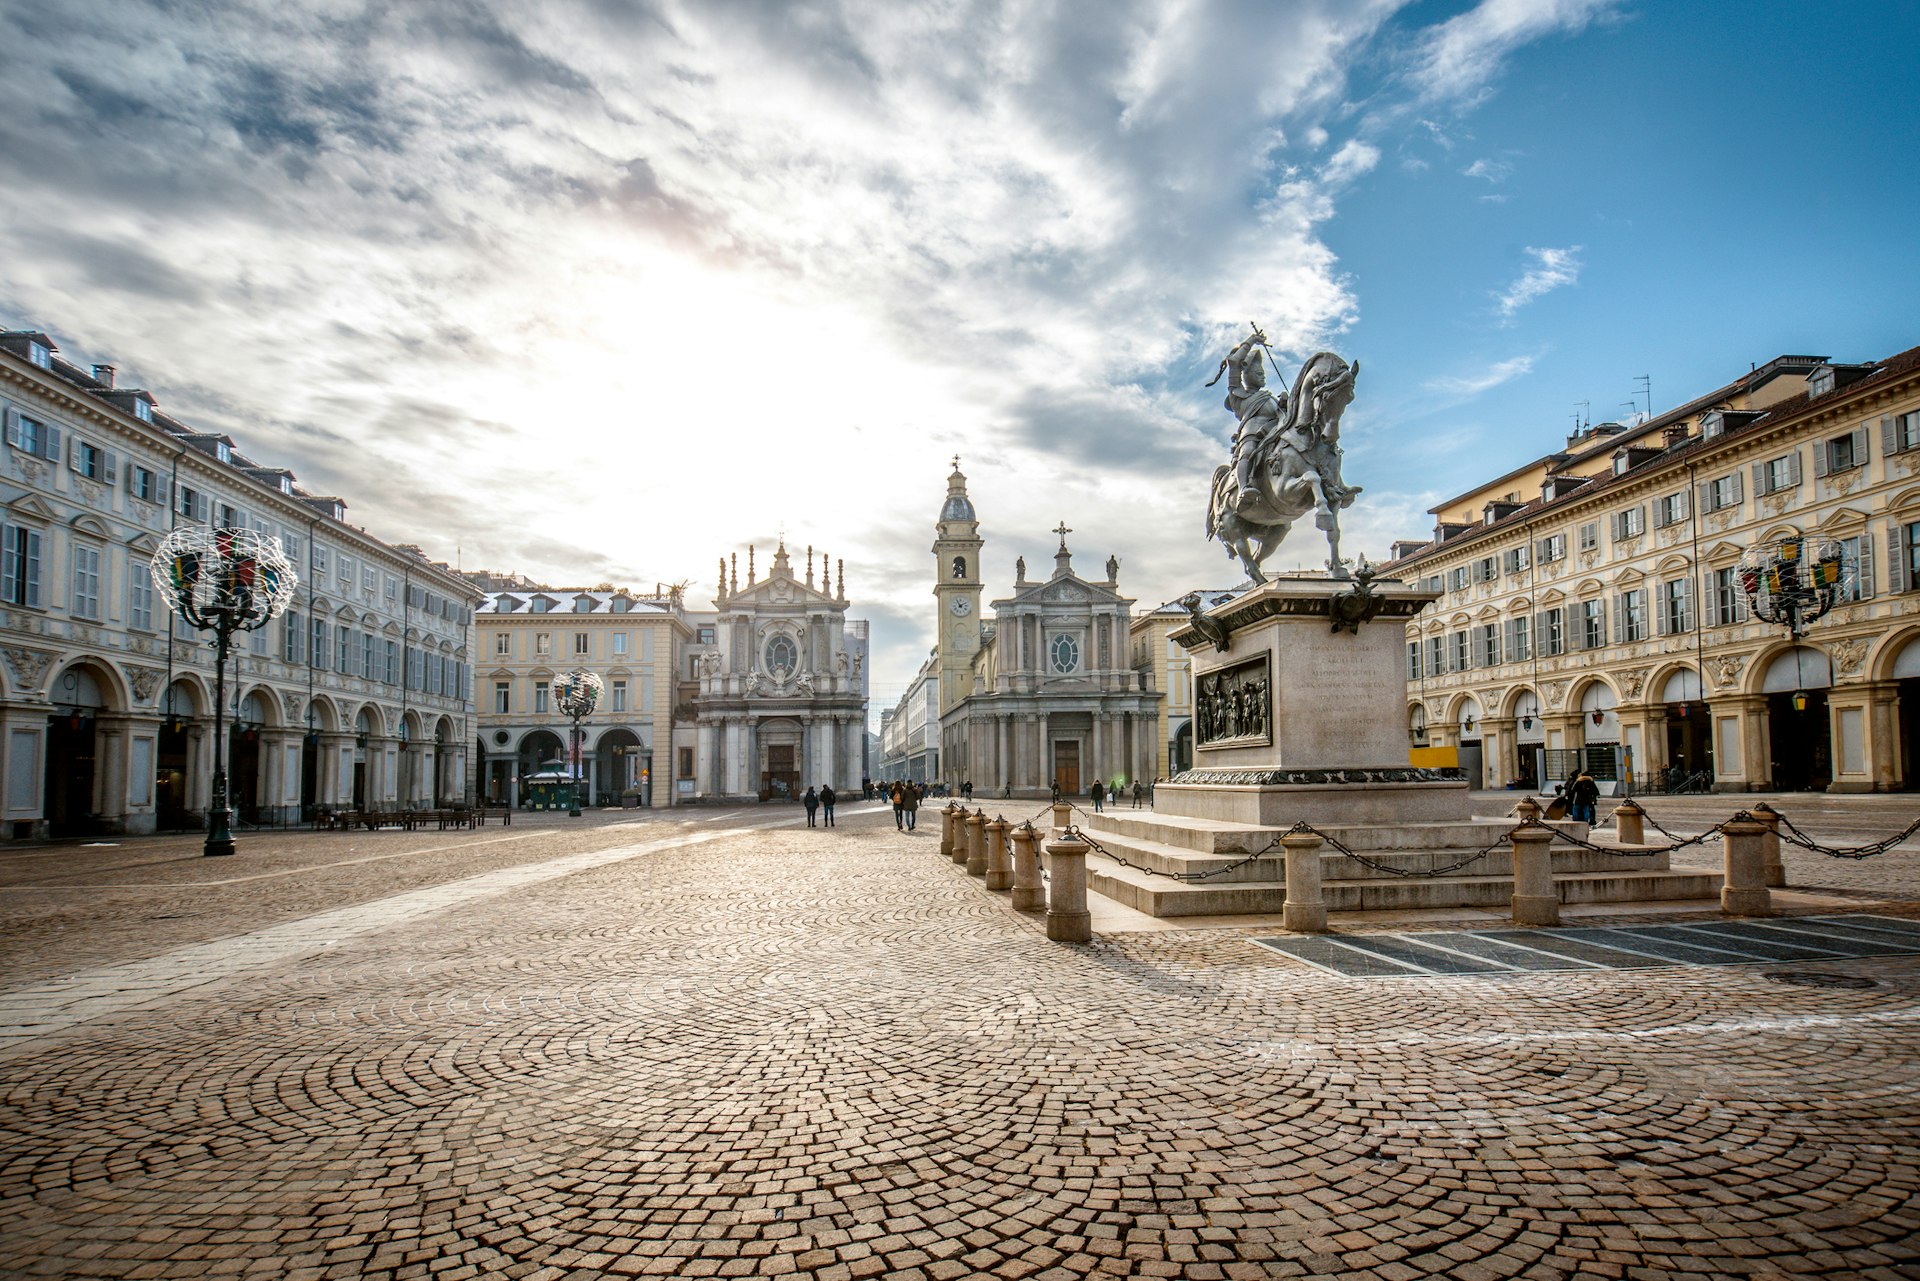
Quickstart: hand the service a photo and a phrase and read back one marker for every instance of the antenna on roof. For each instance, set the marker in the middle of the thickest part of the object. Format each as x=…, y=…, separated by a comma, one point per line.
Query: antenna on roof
x=1586, y=405
x=1646, y=389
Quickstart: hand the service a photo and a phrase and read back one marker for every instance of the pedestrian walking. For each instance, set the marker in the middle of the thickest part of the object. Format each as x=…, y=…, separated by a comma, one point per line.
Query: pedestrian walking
x=1138, y=792
x=966, y=791
x=910, y=801
x=812, y=801
x=1056, y=791
x=1584, y=795
x=899, y=805
x=1150, y=789
x=826, y=803
x=1099, y=794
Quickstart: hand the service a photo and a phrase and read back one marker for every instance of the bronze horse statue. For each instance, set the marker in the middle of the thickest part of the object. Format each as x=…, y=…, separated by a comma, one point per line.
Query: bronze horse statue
x=1289, y=457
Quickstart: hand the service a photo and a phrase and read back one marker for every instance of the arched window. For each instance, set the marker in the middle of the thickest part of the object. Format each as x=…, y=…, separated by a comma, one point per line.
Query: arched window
x=959, y=566
x=1065, y=652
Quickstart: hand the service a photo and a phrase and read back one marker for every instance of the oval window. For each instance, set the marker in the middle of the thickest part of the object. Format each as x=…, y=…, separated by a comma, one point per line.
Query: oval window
x=1065, y=651
x=781, y=656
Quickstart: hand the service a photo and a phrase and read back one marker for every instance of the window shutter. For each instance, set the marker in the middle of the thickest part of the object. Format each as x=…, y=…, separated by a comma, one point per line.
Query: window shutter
x=1614, y=525
x=1660, y=614
x=1619, y=620
x=51, y=444
x=30, y=544
x=1759, y=479
x=1686, y=604
x=13, y=427
x=1860, y=446
x=1684, y=505
x=73, y=453
x=10, y=559
x=1889, y=443
x=1897, y=559
x=107, y=466
x=1737, y=482
x=1866, y=565
x=1705, y=498
x=1820, y=451
x=1793, y=468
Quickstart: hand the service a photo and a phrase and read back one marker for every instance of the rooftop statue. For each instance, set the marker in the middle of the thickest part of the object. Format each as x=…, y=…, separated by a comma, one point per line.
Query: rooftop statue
x=1286, y=456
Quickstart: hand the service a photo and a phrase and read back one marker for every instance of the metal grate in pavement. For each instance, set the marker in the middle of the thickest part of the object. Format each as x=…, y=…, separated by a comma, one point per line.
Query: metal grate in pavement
x=1622, y=947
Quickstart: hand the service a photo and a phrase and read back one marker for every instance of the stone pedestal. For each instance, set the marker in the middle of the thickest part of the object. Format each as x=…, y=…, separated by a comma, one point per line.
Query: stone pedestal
x=1772, y=871
x=1535, y=900
x=1068, y=920
x=1304, y=912
x=1744, y=892
x=999, y=871
x=1029, y=895
x=1303, y=714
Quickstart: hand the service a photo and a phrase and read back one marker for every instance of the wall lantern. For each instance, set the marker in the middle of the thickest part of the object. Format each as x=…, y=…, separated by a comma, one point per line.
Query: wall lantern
x=1799, y=702
x=1469, y=725
x=1526, y=722
x=1598, y=716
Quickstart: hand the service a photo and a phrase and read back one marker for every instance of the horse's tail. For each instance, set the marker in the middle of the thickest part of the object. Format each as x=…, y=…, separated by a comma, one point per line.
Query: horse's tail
x=1218, y=501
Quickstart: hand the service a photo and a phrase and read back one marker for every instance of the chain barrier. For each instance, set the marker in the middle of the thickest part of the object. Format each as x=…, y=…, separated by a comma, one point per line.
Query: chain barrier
x=1408, y=872
x=1789, y=832
x=1680, y=843
x=1079, y=834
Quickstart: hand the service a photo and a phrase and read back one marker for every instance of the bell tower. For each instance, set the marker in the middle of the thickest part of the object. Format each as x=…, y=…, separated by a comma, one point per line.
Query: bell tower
x=956, y=585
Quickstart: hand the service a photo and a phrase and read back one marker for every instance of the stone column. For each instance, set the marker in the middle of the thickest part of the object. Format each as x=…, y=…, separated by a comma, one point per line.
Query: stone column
x=1772, y=870
x=1045, y=767
x=110, y=781
x=1029, y=895
x=999, y=871
x=1883, y=736
x=1535, y=901
x=1498, y=731
x=1004, y=759
x=977, y=843
x=1068, y=920
x=1744, y=891
x=1305, y=911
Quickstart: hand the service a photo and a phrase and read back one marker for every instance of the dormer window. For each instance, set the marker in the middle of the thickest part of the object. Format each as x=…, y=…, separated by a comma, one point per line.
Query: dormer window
x=583, y=604
x=1620, y=463
x=1712, y=424
x=144, y=412
x=1820, y=382
x=40, y=354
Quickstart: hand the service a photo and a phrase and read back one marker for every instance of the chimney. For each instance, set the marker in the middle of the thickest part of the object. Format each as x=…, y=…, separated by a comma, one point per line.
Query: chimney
x=103, y=374
x=1677, y=436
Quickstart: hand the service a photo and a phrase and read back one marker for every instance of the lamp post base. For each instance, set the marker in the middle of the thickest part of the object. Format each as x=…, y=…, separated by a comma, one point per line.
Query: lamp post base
x=219, y=835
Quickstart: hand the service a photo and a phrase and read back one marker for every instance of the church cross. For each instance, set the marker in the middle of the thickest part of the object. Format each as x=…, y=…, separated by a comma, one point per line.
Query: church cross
x=956, y=462
x=1063, y=531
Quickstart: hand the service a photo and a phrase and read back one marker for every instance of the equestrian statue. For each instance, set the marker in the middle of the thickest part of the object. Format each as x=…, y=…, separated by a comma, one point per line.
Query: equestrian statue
x=1286, y=456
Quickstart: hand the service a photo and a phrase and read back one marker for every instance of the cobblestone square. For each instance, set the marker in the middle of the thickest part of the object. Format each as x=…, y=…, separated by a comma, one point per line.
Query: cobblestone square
x=719, y=1043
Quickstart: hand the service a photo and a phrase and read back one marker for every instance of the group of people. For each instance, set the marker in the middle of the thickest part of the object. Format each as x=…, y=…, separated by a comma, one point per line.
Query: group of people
x=1101, y=794
x=905, y=795
x=818, y=800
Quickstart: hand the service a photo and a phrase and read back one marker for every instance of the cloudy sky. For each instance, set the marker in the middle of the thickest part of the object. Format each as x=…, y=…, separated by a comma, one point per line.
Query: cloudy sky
x=606, y=289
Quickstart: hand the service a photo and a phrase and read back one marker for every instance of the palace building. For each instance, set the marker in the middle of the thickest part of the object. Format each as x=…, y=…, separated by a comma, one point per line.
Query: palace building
x=1044, y=694
x=360, y=695
x=1592, y=614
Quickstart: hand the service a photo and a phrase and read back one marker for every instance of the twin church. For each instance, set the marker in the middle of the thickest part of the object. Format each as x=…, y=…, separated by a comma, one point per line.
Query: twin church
x=1043, y=692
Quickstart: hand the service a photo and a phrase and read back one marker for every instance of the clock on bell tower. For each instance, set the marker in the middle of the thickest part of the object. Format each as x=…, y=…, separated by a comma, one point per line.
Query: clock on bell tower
x=956, y=585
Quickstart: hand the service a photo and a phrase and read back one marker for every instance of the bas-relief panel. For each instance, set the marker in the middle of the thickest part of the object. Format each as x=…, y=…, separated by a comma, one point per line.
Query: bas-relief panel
x=1234, y=706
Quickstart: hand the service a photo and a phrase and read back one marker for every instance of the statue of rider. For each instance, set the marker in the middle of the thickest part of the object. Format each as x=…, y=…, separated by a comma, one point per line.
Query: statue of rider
x=1258, y=409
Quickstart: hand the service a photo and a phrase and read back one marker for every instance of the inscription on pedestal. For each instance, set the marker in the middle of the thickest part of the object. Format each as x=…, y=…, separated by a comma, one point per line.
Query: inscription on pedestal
x=1233, y=706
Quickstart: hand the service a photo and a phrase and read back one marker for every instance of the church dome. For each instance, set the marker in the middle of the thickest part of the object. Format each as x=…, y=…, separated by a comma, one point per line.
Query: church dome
x=958, y=507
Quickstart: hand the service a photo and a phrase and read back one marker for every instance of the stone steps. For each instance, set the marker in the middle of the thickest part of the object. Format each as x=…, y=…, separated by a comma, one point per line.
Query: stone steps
x=1160, y=897
x=1235, y=840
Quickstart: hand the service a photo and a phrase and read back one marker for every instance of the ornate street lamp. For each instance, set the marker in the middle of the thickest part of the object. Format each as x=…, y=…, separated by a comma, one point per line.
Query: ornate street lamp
x=1793, y=582
x=576, y=693
x=223, y=581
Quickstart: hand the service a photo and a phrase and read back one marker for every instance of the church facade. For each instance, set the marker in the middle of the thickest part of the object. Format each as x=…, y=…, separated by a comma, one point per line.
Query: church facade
x=779, y=689
x=1045, y=694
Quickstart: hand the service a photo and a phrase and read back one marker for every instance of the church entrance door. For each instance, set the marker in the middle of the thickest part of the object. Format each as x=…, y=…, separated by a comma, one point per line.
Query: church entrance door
x=782, y=778
x=1066, y=766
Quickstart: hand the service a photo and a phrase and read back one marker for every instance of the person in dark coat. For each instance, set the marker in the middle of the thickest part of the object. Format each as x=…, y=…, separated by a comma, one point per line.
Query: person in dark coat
x=1138, y=792
x=812, y=801
x=1098, y=793
x=1584, y=798
x=826, y=803
x=899, y=805
x=1056, y=791
x=910, y=802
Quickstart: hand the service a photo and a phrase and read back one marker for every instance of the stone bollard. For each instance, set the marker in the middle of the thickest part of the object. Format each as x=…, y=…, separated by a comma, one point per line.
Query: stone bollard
x=1029, y=895
x=1062, y=816
x=1535, y=901
x=1528, y=808
x=961, y=835
x=946, y=829
x=1627, y=823
x=1744, y=891
x=1068, y=920
x=1305, y=912
x=977, y=843
x=1774, y=872
x=999, y=871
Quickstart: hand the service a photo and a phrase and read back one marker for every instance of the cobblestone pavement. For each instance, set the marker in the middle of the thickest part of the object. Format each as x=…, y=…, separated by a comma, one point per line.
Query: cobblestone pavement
x=829, y=1053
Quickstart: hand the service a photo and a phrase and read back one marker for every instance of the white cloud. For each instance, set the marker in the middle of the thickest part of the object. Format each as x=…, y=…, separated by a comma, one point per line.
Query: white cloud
x=1469, y=385
x=1551, y=269
x=1458, y=59
x=1493, y=171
